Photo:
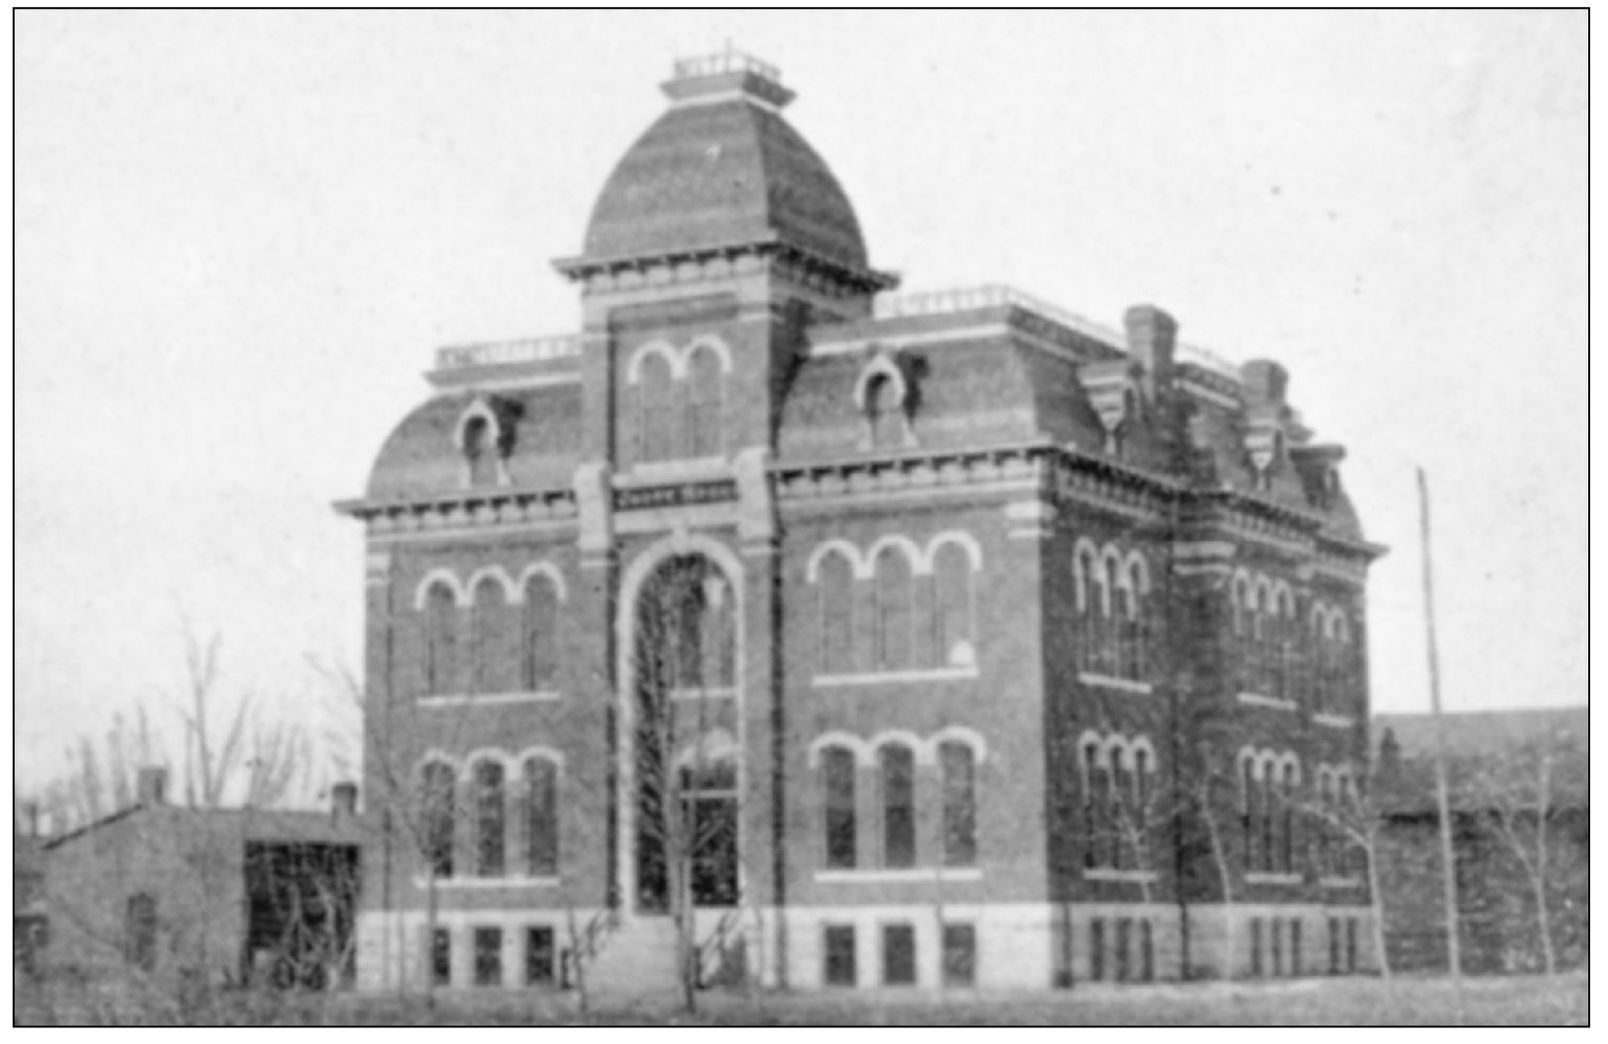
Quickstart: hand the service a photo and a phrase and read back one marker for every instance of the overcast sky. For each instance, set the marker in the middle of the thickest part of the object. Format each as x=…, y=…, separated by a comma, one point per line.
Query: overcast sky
x=239, y=238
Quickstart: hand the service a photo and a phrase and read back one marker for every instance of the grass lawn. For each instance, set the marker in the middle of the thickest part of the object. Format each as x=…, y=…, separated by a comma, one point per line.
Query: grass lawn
x=1513, y=1001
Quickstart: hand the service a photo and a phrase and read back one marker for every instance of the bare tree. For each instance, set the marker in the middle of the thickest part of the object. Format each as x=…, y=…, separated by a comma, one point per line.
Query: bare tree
x=1517, y=789
x=1204, y=797
x=1354, y=818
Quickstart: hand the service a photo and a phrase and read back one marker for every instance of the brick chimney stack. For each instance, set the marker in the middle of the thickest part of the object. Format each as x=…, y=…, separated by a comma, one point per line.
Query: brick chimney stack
x=1266, y=381
x=343, y=800
x=1152, y=337
x=151, y=785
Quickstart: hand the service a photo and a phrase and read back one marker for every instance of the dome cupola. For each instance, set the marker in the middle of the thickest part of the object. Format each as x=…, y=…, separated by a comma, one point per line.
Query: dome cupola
x=721, y=171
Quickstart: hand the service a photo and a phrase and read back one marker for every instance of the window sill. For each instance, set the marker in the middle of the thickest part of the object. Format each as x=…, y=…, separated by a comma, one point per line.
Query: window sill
x=1255, y=699
x=1104, y=681
x=474, y=883
x=824, y=681
x=714, y=692
x=490, y=698
x=917, y=874
x=1108, y=874
x=1274, y=878
x=1334, y=721
x=1341, y=882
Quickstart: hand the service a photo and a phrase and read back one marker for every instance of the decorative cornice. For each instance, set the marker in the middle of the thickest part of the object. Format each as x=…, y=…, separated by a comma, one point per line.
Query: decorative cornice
x=472, y=509
x=697, y=263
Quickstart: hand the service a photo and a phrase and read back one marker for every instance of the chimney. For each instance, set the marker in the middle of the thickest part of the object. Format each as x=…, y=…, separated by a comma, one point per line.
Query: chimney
x=1152, y=335
x=152, y=786
x=1266, y=382
x=343, y=800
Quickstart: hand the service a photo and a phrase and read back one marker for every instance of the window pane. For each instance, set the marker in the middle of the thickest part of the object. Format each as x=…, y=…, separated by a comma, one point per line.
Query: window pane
x=960, y=804
x=704, y=404
x=438, y=801
x=539, y=653
x=893, y=595
x=836, y=579
x=441, y=957
x=840, y=957
x=960, y=955
x=490, y=821
x=898, y=806
x=1097, y=949
x=538, y=956
x=838, y=768
x=541, y=818
x=488, y=957
x=898, y=955
x=441, y=626
x=952, y=596
x=485, y=622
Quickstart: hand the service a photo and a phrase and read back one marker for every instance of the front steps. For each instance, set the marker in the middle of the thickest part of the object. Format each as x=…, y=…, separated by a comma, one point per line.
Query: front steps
x=636, y=958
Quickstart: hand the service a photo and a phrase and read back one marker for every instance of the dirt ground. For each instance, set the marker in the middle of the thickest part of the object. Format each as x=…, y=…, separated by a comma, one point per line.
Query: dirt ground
x=1510, y=1001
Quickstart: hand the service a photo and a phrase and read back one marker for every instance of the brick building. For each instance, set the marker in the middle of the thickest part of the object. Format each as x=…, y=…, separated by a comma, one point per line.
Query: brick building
x=901, y=639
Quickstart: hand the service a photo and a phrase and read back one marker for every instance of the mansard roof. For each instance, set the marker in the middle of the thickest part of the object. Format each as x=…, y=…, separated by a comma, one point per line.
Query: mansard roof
x=540, y=430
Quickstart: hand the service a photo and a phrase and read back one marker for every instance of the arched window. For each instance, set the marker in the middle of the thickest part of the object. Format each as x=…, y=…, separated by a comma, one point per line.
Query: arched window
x=958, y=765
x=953, y=643
x=1117, y=795
x=539, y=635
x=836, y=582
x=541, y=817
x=837, y=782
x=441, y=639
x=656, y=397
x=894, y=589
x=491, y=819
x=718, y=632
x=1141, y=806
x=1288, y=801
x=1105, y=653
x=480, y=451
x=1268, y=784
x=1130, y=625
x=1324, y=830
x=898, y=769
x=487, y=660
x=1085, y=567
x=884, y=413
x=1249, y=811
x=705, y=401
x=1093, y=773
x=438, y=816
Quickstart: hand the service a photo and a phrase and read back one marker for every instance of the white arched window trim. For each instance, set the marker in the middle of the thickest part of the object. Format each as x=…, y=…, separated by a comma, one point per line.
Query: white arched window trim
x=858, y=568
x=672, y=359
x=512, y=593
x=881, y=366
x=864, y=756
x=421, y=594
x=958, y=538
x=553, y=575
x=705, y=342
x=919, y=565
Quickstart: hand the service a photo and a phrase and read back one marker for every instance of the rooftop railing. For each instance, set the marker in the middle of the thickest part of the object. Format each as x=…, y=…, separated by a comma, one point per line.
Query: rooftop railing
x=997, y=295
x=501, y=353
x=727, y=61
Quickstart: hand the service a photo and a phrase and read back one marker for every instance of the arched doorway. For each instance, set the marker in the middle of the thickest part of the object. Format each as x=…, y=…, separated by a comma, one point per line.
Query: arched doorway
x=683, y=760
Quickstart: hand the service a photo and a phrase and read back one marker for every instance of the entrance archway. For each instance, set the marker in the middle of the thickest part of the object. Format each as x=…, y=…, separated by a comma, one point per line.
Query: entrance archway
x=682, y=761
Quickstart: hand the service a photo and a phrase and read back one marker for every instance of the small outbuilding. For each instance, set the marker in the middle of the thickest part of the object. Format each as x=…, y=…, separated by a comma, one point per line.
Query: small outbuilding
x=242, y=896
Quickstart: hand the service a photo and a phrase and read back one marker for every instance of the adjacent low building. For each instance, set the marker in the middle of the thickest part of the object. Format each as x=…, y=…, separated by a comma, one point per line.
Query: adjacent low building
x=1521, y=831
x=215, y=895
x=870, y=639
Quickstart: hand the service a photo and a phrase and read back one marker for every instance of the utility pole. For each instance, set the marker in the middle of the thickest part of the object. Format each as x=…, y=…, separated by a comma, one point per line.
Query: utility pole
x=1448, y=866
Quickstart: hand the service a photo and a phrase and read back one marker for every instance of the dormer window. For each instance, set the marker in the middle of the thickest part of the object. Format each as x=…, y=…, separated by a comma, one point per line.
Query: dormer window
x=883, y=395
x=481, y=438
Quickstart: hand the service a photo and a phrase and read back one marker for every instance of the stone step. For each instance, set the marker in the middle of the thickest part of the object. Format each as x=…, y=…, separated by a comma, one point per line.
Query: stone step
x=637, y=957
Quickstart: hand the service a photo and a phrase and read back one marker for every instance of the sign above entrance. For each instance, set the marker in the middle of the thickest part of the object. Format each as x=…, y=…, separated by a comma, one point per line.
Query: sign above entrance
x=682, y=494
